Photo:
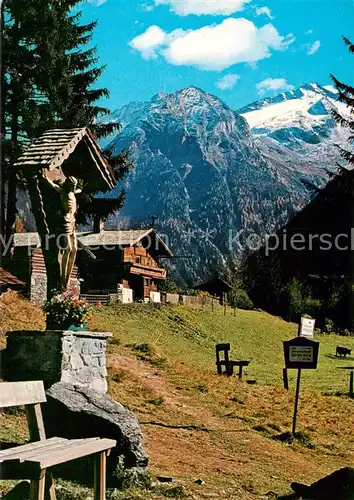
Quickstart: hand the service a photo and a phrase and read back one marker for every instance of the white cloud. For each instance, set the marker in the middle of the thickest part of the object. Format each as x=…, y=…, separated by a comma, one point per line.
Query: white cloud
x=213, y=47
x=312, y=49
x=264, y=10
x=309, y=32
x=97, y=3
x=147, y=8
x=274, y=85
x=227, y=82
x=148, y=42
x=203, y=7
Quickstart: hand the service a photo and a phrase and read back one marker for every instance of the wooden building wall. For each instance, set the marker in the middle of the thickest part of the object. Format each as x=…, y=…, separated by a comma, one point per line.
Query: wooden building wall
x=139, y=255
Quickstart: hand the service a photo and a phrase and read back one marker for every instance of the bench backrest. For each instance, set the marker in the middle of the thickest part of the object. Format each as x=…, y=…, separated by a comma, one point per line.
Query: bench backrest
x=222, y=348
x=21, y=393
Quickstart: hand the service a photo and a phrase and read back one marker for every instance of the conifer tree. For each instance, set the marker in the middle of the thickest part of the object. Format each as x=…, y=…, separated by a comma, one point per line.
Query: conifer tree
x=49, y=80
x=17, y=62
x=346, y=96
x=66, y=84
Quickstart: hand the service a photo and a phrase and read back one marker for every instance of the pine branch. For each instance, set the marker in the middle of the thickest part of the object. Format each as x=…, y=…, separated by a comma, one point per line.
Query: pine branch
x=342, y=87
x=341, y=120
x=347, y=155
x=349, y=44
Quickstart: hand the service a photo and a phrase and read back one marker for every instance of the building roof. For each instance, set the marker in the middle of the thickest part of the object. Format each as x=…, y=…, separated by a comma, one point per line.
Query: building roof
x=27, y=240
x=125, y=238
x=8, y=280
x=55, y=146
x=214, y=286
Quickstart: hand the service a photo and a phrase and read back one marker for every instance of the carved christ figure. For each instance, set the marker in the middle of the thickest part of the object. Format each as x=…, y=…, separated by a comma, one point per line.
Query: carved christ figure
x=67, y=190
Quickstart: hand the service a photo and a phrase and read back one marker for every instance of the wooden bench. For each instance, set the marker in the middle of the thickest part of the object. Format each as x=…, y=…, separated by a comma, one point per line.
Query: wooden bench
x=224, y=365
x=32, y=461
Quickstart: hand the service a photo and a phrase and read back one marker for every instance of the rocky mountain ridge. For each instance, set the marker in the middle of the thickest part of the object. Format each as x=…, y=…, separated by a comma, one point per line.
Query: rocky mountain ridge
x=220, y=180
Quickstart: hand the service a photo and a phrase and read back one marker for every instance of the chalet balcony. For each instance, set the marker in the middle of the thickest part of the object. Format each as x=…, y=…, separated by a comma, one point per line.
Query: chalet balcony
x=149, y=271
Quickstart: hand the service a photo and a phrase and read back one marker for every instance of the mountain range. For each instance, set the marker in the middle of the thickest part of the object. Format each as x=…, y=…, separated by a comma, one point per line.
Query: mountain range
x=219, y=180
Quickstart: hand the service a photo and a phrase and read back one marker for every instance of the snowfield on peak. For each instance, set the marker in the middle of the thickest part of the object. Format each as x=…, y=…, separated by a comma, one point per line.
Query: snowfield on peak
x=305, y=108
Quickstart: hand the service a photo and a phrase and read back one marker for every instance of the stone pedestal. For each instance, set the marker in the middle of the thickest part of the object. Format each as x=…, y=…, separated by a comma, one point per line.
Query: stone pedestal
x=77, y=358
x=72, y=366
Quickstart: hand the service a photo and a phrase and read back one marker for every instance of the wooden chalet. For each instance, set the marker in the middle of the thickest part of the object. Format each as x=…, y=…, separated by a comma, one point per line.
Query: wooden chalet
x=28, y=264
x=106, y=262
x=126, y=258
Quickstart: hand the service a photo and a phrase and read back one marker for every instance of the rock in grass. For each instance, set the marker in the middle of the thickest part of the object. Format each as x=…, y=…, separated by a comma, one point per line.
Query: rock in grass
x=337, y=486
x=76, y=412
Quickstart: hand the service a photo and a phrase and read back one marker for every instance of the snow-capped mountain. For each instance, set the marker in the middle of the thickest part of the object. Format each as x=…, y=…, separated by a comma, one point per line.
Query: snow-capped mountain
x=298, y=118
x=217, y=178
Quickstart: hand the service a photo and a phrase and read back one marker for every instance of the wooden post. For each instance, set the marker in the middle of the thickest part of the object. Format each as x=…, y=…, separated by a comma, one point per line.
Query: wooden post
x=351, y=384
x=285, y=379
x=37, y=488
x=235, y=311
x=224, y=300
x=296, y=400
x=100, y=476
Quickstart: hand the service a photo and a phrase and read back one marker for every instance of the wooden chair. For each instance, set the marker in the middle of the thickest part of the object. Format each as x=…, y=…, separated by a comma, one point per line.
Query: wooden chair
x=226, y=363
x=32, y=461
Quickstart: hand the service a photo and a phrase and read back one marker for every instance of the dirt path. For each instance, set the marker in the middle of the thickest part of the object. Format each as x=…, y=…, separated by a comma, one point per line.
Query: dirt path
x=233, y=459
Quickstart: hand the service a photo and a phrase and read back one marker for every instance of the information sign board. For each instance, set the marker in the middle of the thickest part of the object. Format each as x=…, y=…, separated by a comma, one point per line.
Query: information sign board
x=301, y=352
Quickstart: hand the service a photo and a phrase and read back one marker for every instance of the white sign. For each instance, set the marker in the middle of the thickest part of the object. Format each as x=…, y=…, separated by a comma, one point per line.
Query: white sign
x=301, y=354
x=307, y=327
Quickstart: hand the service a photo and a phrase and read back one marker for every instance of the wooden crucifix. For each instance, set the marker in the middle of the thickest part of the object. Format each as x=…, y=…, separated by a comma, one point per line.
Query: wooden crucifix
x=62, y=161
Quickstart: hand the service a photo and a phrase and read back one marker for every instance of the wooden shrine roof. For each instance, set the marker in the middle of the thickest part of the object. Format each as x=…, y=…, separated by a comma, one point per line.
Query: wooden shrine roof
x=9, y=279
x=55, y=146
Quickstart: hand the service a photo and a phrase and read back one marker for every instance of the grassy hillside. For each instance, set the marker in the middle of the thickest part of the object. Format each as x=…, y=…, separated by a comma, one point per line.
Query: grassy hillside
x=18, y=314
x=189, y=335
x=196, y=425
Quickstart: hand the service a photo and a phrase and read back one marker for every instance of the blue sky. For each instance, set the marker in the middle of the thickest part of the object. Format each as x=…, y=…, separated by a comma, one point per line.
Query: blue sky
x=239, y=50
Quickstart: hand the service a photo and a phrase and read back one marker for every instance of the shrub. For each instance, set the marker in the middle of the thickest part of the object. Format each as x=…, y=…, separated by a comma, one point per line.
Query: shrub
x=328, y=326
x=135, y=477
x=243, y=301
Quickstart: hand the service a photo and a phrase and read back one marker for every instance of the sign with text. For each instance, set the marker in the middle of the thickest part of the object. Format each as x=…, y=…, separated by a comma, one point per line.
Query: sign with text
x=301, y=352
x=307, y=327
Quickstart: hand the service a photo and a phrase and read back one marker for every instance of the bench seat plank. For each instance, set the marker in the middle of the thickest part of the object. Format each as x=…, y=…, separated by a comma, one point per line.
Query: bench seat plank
x=67, y=453
x=18, y=451
x=50, y=448
x=36, y=455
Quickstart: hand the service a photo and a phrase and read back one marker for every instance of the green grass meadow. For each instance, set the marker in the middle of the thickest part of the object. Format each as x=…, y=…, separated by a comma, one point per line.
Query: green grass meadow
x=189, y=335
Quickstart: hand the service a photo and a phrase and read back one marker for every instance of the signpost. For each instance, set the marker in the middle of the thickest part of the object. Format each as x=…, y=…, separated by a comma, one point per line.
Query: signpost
x=300, y=353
